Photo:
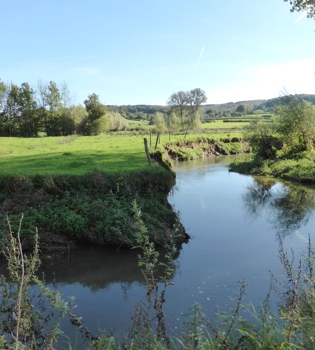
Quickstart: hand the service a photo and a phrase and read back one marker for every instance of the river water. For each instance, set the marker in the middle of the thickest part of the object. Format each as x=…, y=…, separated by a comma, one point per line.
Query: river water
x=235, y=222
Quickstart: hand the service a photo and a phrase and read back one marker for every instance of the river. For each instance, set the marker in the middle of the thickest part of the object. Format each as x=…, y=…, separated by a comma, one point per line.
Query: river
x=235, y=222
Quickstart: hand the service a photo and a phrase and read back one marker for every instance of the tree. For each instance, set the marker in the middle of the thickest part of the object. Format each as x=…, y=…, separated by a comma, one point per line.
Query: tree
x=178, y=103
x=94, y=107
x=262, y=139
x=296, y=123
x=116, y=121
x=96, y=121
x=241, y=109
x=172, y=123
x=186, y=105
x=3, y=90
x=189, y=102
x=196, y=98
x=10, y=116
x=29, y=124
x=303, y=5
x=159, y=122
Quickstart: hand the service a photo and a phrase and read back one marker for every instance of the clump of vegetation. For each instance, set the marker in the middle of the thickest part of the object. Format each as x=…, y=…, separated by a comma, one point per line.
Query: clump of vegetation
x=94, y=207
x=30, y=316
x=285, y=146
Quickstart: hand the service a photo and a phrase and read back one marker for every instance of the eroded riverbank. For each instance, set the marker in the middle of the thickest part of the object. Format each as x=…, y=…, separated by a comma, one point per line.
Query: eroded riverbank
x=93, y=208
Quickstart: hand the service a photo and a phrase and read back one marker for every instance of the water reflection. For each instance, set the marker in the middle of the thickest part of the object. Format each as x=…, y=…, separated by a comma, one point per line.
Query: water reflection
x=289, y=206
x=96, y=267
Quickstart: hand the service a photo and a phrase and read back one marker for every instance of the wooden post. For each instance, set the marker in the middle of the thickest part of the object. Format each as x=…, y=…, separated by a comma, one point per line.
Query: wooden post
x=157, y=140
x=147, y=151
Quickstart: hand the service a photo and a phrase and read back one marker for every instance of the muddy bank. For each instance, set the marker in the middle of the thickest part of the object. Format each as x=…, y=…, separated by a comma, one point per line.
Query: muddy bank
x=201, y=147
x=95, y=208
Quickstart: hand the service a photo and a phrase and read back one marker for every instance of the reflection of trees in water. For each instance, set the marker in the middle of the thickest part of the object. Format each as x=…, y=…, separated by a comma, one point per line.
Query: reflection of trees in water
x=293, y=209
x=257, y=196
x=97, y=267
x=288, y=207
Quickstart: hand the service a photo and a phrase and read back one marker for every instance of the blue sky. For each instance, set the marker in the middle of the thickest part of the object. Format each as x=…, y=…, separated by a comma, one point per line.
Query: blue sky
x=141, y=51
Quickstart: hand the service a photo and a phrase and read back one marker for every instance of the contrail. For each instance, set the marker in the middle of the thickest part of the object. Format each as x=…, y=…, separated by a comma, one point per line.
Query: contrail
x=301, y=17
x=202, y=50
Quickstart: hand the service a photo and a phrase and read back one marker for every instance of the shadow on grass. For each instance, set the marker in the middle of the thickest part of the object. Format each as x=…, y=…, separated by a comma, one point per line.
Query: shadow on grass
x=75, y=163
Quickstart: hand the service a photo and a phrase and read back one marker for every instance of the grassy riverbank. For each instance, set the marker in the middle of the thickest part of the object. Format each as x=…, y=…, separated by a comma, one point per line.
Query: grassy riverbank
x=82, y=188
x=294, y=167
x=94, y=207
x=284, y=148
x=200, y=146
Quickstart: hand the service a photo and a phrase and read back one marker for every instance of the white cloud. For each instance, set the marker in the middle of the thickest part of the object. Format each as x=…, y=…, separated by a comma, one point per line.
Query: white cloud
x=268, y=81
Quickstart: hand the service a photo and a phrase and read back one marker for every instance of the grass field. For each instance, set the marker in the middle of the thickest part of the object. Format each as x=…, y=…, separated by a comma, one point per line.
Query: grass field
x=74, y=155
x=138, y=123
x=78, y=155
x=220, y=124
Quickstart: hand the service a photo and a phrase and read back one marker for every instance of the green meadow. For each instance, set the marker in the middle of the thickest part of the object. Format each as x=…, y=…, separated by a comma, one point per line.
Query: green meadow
x=73, y=155
x=220, y=124
x=79, y=155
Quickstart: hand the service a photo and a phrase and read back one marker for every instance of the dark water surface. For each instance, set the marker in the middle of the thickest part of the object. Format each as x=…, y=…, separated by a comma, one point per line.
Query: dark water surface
x=235, y=222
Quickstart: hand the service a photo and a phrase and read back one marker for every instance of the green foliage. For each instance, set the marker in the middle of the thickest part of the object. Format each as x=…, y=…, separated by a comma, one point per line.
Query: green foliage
x=117, y=122
x=296, y=123
x=159, y=122
x=172, y=122
x=24, y=323
x=187, y=103
x=96, y=121
x=303, y=5
x=284, y=146
x=262, y=138
x=95, y=208
x=94, y=107
x=300, y=168
x=241, y=108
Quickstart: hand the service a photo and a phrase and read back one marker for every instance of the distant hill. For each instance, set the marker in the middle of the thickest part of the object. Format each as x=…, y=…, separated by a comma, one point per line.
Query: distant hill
x=138, y=111
x=148, y=111
x=255, y=104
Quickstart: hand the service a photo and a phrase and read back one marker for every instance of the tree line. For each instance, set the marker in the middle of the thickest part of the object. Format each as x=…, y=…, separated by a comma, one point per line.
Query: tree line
x=49, y=109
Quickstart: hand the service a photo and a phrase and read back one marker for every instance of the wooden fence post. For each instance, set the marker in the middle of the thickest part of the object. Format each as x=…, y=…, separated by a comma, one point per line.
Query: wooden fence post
x=147, y=151
x=157, y=139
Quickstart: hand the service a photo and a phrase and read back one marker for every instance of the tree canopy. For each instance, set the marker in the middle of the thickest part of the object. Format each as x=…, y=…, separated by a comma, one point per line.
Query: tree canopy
x=48, y=109
x=303, y=5
x=296, y=123
x=187, y=102
x=293, y=129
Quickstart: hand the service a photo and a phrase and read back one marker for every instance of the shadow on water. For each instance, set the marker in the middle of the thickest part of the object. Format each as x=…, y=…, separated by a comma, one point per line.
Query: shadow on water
x=105, y=282
x=288, y=206
x=96, y=267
